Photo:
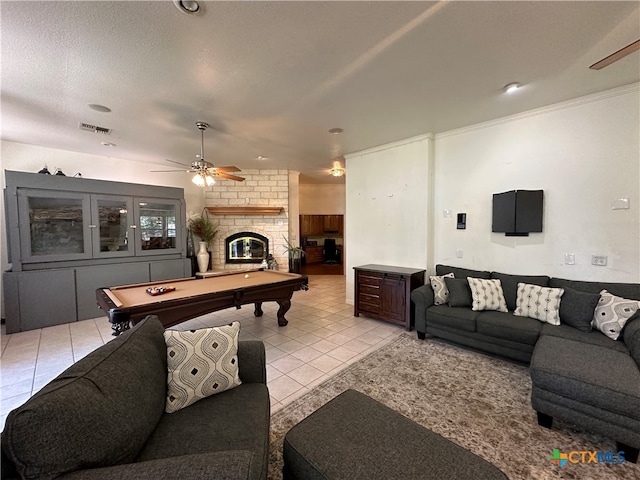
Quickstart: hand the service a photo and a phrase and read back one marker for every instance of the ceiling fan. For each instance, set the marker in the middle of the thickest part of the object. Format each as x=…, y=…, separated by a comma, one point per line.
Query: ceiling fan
x=205, y=171
x=614, y=57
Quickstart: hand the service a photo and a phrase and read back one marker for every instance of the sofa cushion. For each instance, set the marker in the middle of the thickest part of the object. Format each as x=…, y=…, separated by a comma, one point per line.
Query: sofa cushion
x=461, y=272
x=237, y=419
x=459, y=292
x=486, y=295
x=601, y=377
x=462, y=318
x=594, y=337
x=576, y=308
x=631, y=336
x=541, y=303
x=440, y=290
x=99, y=412
x=612, y=313
x=508, y=326
x=625, y=290
x=510, y=285
x=200, y=363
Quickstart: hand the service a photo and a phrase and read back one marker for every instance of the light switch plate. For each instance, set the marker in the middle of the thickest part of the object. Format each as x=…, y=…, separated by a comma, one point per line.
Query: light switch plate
x=620, y=204
x=600, y=260
x=570, y=258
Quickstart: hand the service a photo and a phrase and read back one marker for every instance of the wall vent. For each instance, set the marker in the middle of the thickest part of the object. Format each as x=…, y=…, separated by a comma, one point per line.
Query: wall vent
x=94, y=128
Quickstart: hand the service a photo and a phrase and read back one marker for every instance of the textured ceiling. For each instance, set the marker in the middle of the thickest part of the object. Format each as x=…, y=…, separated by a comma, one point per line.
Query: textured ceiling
x=271, y=78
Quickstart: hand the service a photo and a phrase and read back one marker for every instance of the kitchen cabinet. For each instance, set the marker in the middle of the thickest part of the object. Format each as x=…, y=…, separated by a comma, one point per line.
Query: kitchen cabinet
x=321, y=225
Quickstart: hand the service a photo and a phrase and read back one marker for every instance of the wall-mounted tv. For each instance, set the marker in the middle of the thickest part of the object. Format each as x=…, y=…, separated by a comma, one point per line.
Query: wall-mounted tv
x=517, y=212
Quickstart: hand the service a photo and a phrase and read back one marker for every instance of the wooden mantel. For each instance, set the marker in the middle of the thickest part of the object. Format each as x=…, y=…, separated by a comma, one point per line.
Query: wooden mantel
x=245, y=210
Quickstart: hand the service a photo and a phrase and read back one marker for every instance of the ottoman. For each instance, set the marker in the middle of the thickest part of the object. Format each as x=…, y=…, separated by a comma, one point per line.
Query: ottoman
x=355, y=437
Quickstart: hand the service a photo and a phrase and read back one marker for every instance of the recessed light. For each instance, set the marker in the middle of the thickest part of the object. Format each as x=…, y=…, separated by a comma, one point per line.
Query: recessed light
x=190, y=7
x=336, y=131
x=511, y=87
x=99, y=108
x=262, y=157
x=108, y=144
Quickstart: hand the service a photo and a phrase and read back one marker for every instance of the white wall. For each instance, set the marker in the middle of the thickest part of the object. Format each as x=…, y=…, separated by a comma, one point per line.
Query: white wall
x=386, y=218
x=584, y=154
x=322, y=199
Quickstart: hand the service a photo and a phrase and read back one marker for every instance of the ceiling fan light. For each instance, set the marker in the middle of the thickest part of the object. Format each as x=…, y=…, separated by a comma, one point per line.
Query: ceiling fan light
x=337, y=171
x=198, y=180
x=209, y=181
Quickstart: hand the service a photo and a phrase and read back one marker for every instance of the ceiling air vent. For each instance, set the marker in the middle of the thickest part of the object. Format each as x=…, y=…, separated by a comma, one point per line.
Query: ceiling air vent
x=94, y=128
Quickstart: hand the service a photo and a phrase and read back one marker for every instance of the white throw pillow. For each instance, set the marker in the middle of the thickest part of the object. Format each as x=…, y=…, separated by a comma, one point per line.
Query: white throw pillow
x=541, y=303
x=612, y=313
x=440, y=290
x=487, y=294
x=200, y=363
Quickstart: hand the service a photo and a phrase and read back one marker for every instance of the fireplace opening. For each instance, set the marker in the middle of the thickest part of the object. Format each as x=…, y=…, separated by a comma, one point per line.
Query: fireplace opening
x=246, y=247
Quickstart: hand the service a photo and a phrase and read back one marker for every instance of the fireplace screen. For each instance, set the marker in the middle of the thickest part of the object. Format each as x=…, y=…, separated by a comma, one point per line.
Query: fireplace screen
x=246, y=247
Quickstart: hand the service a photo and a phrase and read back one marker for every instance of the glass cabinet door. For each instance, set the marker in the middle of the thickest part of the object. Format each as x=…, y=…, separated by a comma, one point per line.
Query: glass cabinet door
x=54, y=225
x=111, y=221
x=157, y=229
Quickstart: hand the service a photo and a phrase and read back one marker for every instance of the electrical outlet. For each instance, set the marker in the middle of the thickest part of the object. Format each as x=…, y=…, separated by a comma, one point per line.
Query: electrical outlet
x=600, y=260
x=459, y=253
x=570, y=258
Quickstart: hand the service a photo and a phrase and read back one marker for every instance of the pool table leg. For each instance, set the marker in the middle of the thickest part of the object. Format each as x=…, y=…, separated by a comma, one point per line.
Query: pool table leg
x=258, y=310
x=285, y=305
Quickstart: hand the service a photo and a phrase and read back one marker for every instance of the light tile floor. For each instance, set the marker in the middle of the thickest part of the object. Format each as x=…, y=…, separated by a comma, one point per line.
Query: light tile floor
x=322, y=338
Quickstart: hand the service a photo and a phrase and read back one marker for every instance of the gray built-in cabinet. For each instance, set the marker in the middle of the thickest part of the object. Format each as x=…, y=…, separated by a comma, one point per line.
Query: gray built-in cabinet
x=68, y=236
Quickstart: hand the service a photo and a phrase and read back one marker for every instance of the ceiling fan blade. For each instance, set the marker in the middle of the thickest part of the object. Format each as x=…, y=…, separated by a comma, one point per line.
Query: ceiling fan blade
x=614, y=57
x=227, y=169
x=173, y=161
x=230, y=177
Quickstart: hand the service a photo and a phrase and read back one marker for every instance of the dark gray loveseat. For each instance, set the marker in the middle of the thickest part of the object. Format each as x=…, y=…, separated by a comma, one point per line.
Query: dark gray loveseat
x=103, y=418
x=578, y=374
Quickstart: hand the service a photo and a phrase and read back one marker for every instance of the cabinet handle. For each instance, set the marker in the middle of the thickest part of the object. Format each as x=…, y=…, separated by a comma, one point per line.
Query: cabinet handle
x=93, y=226
x=133, y=226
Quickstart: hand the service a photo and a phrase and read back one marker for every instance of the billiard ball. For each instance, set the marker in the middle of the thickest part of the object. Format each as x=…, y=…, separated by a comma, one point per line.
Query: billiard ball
x=246, y=275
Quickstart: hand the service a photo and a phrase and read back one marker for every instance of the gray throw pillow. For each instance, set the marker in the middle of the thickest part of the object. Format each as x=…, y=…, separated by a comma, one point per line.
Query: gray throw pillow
x=459, y=292
x=576, y=308
x=631, y=336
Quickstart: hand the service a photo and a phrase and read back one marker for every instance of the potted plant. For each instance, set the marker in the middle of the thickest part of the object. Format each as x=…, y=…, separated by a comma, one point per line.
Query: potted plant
x=295, y=255
x=202, y=228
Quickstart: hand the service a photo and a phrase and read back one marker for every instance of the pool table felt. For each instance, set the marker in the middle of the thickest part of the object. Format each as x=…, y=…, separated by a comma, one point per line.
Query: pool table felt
x=134, y=295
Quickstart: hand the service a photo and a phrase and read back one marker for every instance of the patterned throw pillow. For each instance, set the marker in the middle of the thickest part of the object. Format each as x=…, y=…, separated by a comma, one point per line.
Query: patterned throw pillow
x=200, y=363
x=487, y=295
x=612, y=313
x=541, y=303
x=440, y=290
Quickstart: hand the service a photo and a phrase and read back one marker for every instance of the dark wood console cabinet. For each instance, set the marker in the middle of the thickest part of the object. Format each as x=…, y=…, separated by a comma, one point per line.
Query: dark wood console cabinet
x=383, y=292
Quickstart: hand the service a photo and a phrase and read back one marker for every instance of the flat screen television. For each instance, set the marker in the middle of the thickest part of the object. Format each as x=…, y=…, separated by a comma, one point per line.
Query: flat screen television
x=517, y=212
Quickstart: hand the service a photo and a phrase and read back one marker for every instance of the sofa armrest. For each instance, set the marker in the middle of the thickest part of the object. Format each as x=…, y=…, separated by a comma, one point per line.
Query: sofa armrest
x=422, y=298
x=252, y=361
x=225, y=465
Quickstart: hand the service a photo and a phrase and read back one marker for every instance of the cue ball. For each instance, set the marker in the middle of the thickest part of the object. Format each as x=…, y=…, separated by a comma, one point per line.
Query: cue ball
x=246, y=275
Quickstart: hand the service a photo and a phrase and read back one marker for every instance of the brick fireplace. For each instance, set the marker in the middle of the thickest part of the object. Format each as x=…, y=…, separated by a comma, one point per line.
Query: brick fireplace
x=260, y=204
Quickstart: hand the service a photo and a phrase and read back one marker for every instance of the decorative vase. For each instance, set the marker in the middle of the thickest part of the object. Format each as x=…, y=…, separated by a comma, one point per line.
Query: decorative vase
x=294, y=264
x=203, y=257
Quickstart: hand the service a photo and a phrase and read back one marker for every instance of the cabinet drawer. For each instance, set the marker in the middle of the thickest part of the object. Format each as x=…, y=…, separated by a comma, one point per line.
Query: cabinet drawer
x=369, y=302
x=369, y=280
x=369, y=289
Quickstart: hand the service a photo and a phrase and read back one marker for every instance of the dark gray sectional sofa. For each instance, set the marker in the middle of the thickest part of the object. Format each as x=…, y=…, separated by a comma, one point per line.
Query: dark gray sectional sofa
x=103, y=418
x=578, y=374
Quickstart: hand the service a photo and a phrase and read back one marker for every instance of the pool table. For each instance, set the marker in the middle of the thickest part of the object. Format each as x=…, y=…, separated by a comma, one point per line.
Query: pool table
x=193, y=297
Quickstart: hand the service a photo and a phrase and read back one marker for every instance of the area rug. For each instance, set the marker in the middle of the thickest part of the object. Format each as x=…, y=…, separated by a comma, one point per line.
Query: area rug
x=480, y=402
